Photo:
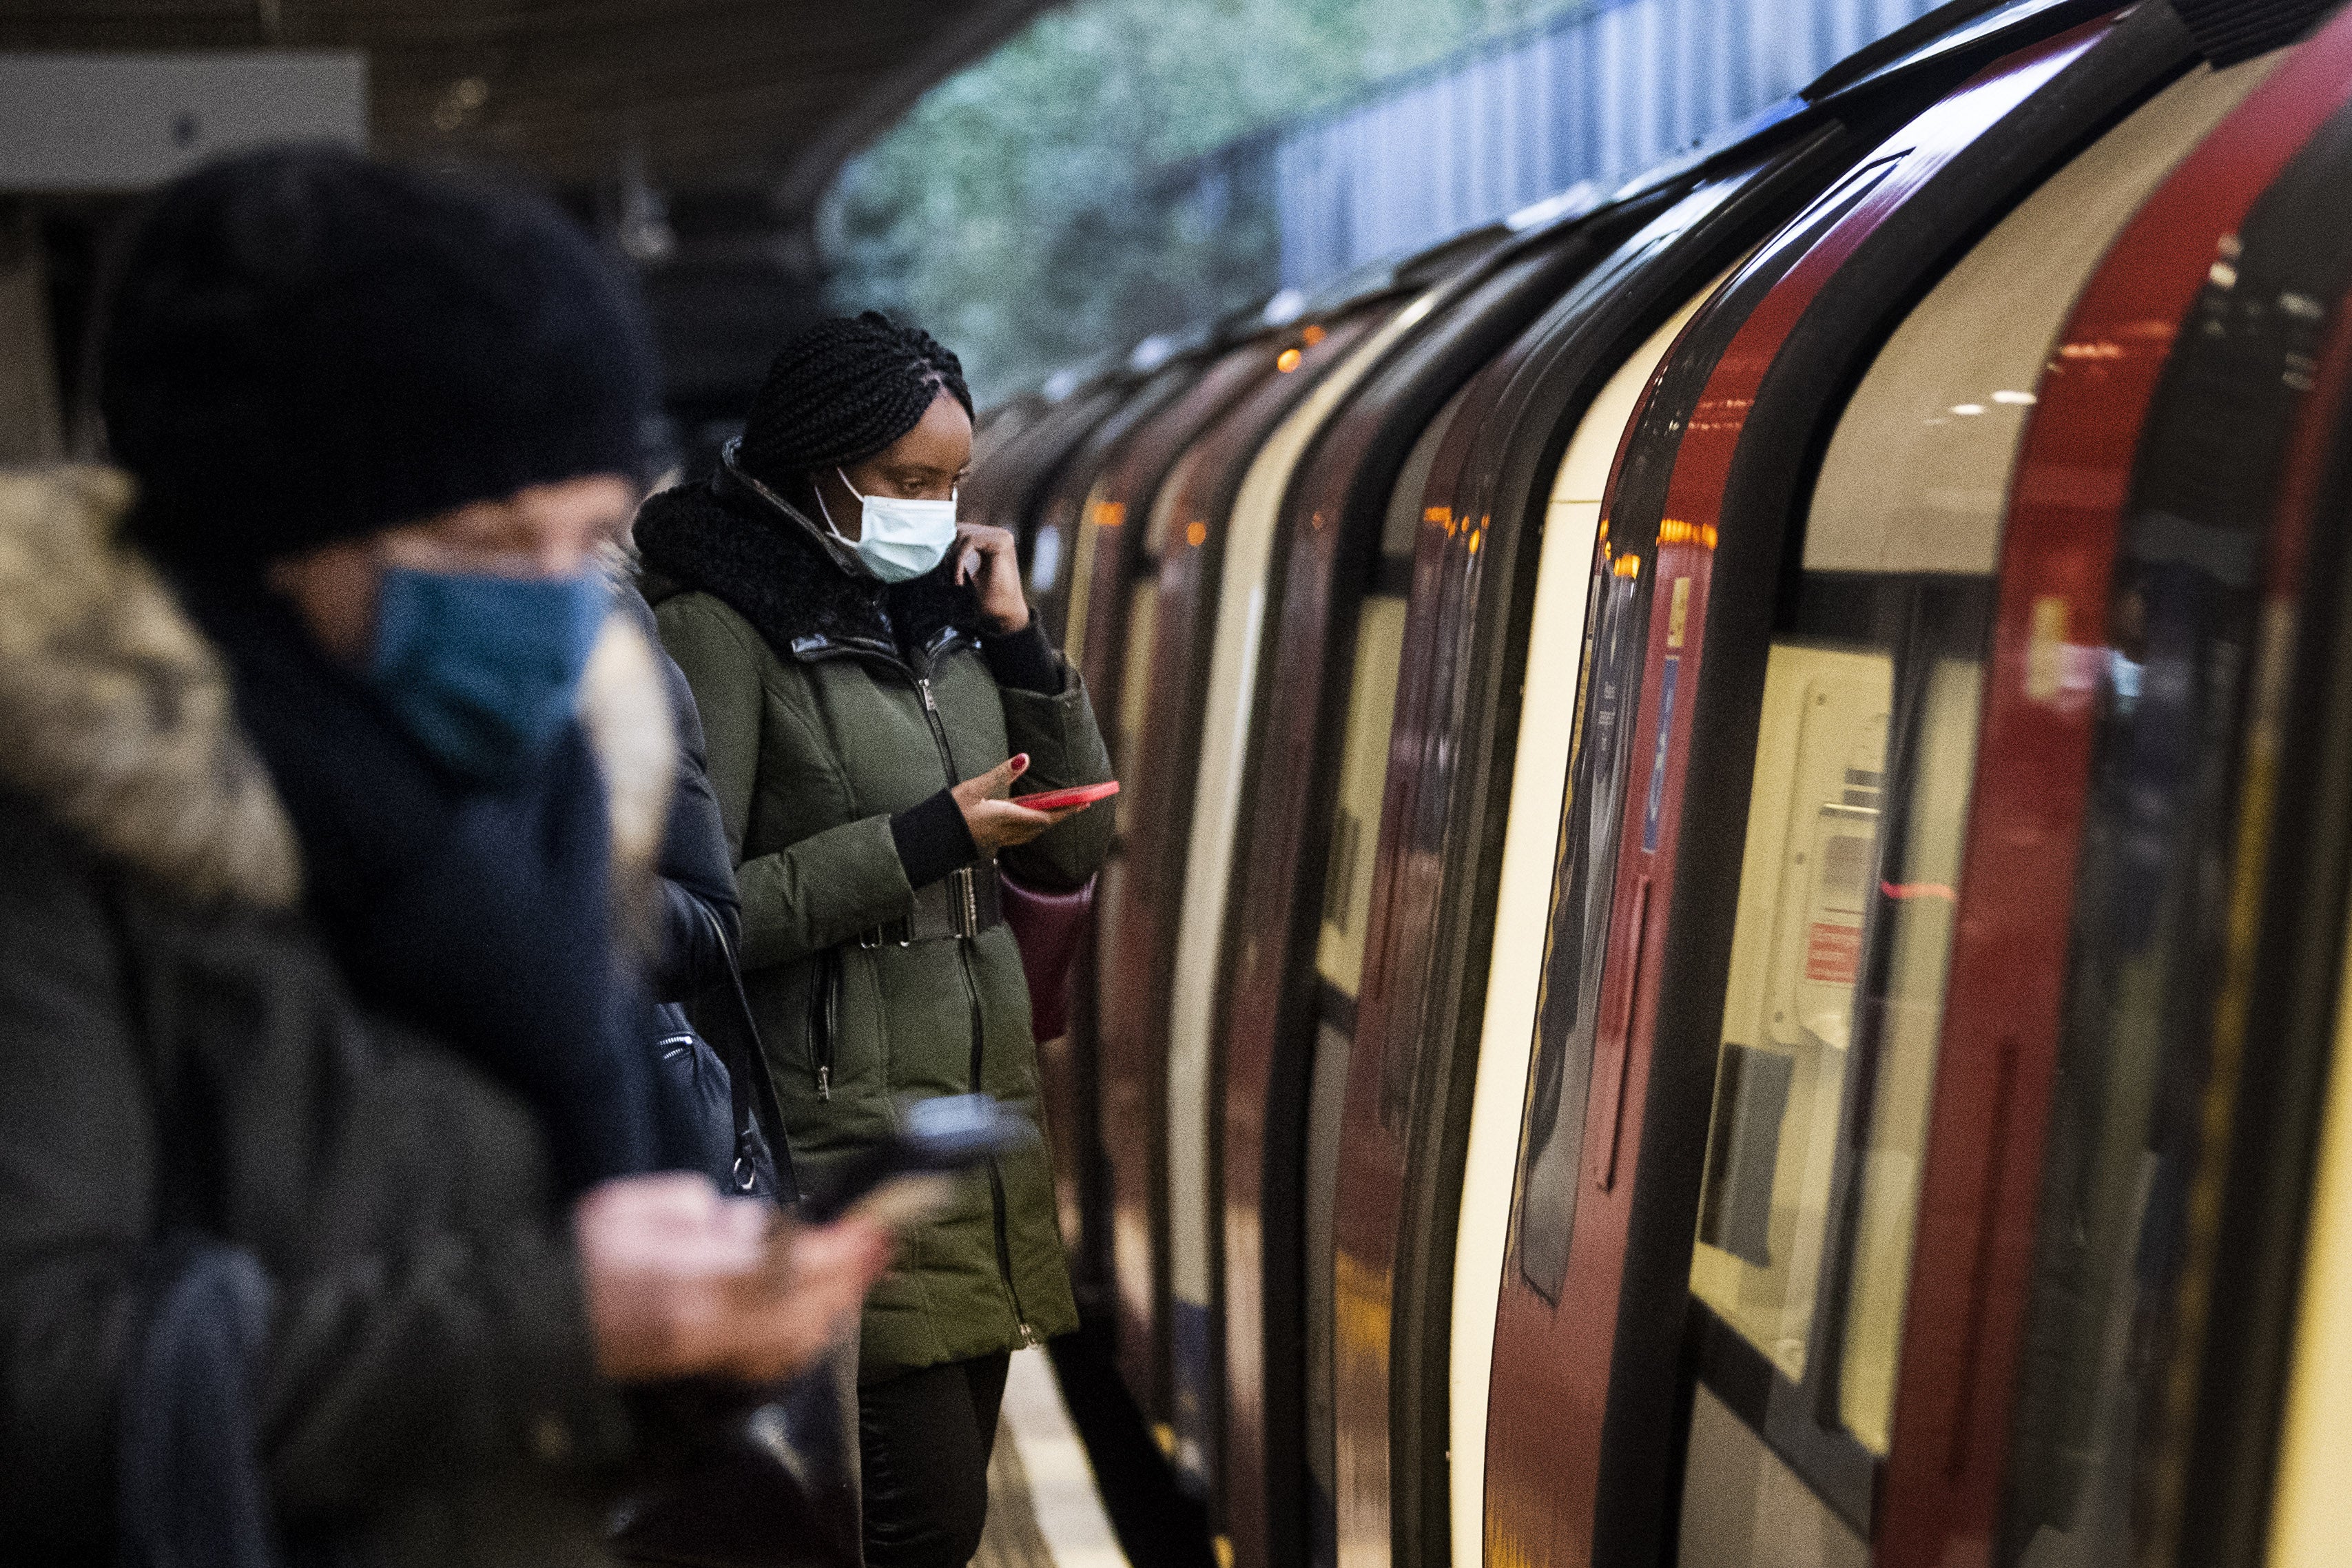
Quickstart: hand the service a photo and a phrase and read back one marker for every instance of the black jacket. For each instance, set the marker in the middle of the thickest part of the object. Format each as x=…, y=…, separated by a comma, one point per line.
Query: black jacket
x=178, y=1054
x=698, y=869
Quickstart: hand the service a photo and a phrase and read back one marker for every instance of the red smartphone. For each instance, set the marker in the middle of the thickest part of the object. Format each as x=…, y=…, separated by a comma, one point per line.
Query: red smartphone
x=1055, y=799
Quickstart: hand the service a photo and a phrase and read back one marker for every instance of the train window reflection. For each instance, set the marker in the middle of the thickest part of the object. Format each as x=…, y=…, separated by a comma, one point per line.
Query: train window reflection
x=1786, y=1067
x=1569, y=1004
x=1363, y=772
x=1865, y=752
x=1918, y=919
x=1134, y=685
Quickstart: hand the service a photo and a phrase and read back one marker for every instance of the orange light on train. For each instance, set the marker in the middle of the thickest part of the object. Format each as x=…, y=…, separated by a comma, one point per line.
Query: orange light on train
x=1287, y=361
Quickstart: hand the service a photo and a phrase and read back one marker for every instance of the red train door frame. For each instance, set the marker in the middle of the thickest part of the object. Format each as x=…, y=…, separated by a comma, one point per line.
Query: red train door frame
x=1973, y=1260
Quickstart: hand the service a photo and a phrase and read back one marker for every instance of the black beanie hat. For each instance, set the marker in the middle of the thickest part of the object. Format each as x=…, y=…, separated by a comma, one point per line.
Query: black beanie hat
x=841, y=391
x=307, y=346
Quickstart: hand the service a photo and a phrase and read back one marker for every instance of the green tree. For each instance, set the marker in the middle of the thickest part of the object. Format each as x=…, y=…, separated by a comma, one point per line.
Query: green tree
x=1024, y=211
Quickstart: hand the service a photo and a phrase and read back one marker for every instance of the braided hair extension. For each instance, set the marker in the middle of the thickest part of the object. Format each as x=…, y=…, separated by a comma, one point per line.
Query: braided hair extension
x=843, y=391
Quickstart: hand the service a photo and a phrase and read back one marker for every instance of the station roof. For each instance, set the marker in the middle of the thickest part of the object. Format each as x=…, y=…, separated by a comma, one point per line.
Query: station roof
x=714, y=95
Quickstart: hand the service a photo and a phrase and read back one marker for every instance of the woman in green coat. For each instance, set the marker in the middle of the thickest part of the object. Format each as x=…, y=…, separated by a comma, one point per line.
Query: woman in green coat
x=871, y=685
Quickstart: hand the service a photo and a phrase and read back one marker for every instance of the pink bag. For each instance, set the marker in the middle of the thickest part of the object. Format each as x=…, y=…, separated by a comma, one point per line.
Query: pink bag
x=1049, y=927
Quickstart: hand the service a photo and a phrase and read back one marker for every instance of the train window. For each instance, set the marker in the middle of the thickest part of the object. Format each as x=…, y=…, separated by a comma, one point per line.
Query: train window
x=1841, y=874
x=1095, y=515
x=1046, y=561
x=1615, y=630
x=1363, y=772
x=1135, y=686
x=1848, y=887
x=1371, y=711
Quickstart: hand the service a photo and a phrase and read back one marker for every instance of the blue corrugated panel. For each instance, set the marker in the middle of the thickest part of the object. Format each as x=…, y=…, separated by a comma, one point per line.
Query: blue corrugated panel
x=1605, y=91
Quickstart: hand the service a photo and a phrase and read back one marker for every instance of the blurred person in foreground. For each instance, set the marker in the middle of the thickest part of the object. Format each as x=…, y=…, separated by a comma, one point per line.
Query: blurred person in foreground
x=871, y=684
x=327, y=816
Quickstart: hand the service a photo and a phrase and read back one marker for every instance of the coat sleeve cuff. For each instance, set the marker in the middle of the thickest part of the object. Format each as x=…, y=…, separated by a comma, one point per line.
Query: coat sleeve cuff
x=932, y=839
x=1024, y=659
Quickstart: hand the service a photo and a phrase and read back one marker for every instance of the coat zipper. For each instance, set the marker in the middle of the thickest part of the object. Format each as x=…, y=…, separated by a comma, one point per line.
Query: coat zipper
x=824, y=1021
x=816, y=647
x=972, y=994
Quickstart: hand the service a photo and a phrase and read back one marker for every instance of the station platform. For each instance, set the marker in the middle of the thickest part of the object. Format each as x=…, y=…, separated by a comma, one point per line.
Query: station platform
x=1045, y=1510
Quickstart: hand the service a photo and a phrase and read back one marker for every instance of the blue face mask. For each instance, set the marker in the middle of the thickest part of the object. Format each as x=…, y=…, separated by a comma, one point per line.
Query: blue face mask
x=483, y=671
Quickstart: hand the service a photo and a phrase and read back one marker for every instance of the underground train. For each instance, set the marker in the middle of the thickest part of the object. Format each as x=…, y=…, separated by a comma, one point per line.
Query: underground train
x=1728, y=933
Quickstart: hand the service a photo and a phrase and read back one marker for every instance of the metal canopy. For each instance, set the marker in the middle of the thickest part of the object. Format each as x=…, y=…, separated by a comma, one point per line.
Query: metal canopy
x=700, y=134
x=713, y=95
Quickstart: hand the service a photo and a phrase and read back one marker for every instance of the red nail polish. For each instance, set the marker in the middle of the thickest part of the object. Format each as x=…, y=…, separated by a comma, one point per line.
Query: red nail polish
x=1021, y=762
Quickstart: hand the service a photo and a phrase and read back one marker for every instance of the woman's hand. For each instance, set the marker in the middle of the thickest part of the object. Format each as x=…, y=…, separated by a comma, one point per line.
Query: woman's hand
x=681, y=1282
x=986, y=558
x=995, y=823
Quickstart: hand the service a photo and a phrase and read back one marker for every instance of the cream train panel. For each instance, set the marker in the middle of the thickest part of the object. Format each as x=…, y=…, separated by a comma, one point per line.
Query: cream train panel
x=1238, y=637
x=1917, y=477
x=2314, y=1471
x=1531, y=835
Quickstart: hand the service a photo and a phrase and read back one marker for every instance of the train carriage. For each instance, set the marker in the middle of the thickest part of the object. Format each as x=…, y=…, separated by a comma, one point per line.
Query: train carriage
x=1712, y=1019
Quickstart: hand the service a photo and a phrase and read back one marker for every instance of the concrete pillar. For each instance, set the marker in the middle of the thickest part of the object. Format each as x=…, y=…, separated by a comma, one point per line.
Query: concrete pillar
x=32, y=429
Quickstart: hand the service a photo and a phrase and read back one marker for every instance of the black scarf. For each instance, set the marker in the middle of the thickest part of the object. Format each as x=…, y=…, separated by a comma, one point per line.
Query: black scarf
x=479, y=915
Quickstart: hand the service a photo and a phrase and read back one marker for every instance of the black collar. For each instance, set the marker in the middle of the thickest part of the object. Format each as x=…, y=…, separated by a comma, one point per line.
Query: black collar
x=720, y=539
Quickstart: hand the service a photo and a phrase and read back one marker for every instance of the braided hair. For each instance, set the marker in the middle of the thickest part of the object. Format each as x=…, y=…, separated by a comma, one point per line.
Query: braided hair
x=843, y=391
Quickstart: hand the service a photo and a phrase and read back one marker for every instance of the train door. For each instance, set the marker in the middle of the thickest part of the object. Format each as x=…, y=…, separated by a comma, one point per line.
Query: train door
x=1551, y=1378
x=1326, y=558
x=2312, y=1473
x=1847, y=891
x=1010, y=477
x=1056, y=459
x=1830, y=286
x=1122, y=606
x=1238, y=1091
x=1070, y=459
x=1167, y=670
x=1476, y=579
x=2308, y=1447
x=1563, y=636
x=1061, y=558
x=2070, y=1379
x=1339, y=1329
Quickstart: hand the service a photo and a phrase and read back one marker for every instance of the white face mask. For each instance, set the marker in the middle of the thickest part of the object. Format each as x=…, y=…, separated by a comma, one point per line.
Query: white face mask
x=899, y=540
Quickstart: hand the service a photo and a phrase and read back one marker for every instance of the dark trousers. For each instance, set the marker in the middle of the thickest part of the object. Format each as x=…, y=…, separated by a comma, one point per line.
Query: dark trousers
x=924, y=1439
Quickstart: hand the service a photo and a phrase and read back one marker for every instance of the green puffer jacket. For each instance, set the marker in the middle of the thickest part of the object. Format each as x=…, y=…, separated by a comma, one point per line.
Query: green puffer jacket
x=829, y=704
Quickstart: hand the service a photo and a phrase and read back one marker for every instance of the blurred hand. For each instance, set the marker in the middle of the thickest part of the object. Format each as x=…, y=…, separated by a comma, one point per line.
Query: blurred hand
x=986, y=557
x=996, y=823
x=683, y=1283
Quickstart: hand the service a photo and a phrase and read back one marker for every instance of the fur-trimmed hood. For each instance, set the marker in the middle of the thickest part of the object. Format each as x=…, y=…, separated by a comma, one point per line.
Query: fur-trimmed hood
x=717, y=538
x=123, y=723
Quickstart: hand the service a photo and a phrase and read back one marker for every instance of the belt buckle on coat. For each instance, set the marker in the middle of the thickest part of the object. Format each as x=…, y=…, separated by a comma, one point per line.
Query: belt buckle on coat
x=963, y=913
